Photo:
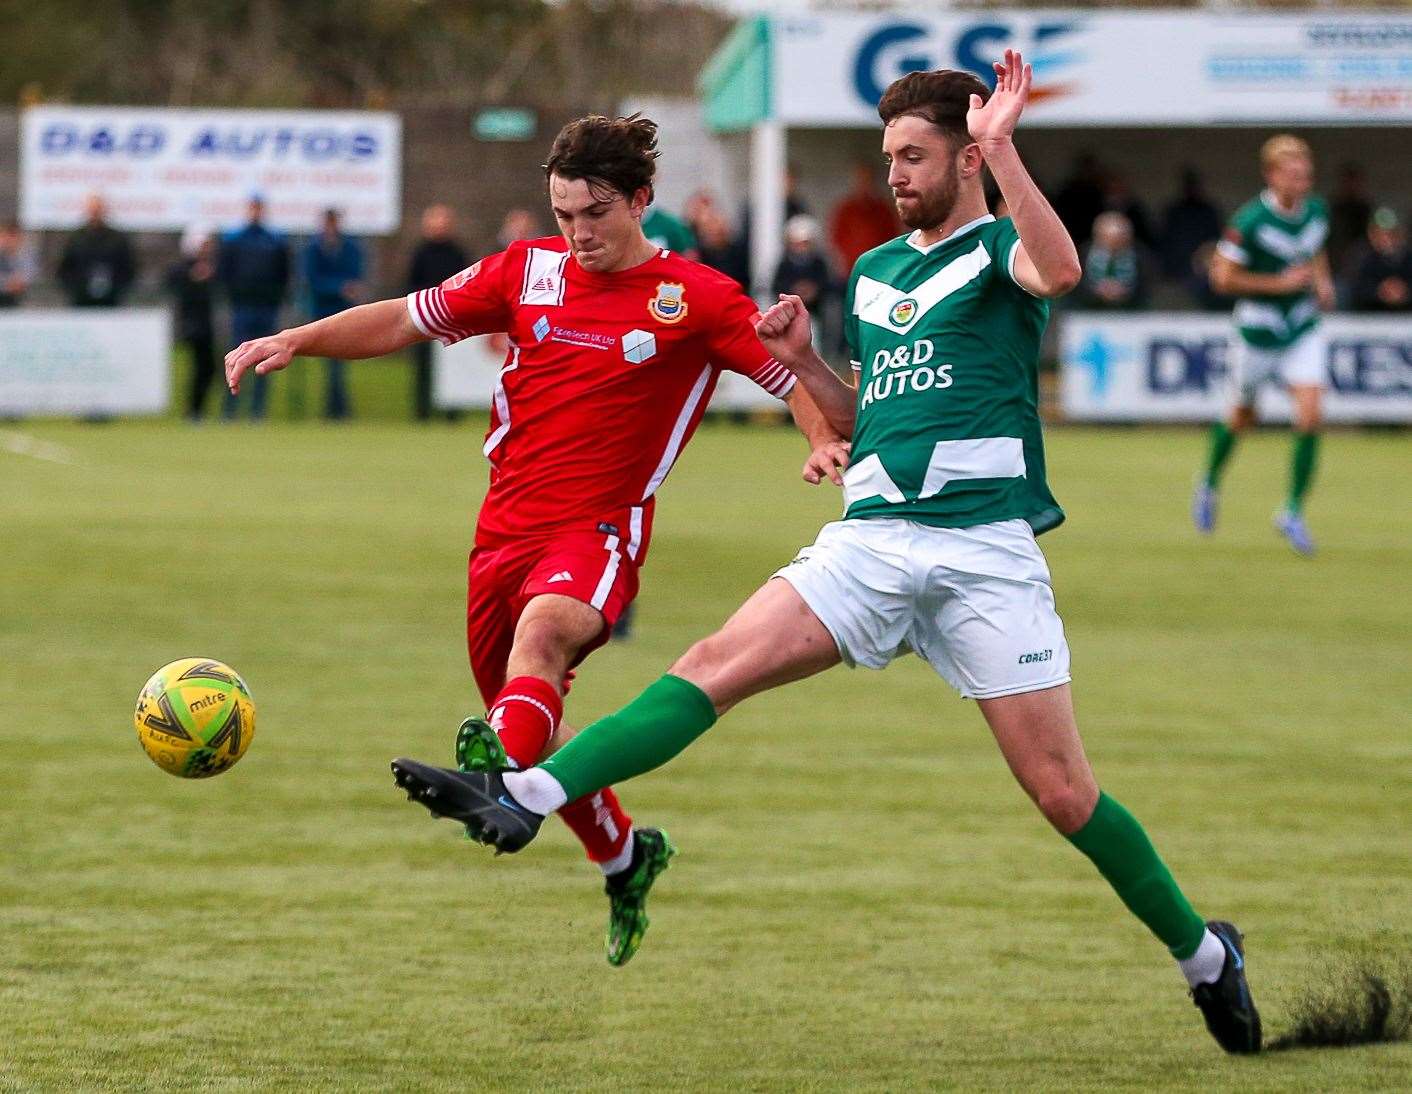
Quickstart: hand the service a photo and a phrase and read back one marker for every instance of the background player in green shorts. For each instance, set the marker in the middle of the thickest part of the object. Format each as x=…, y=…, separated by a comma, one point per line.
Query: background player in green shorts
x=1272, y=260
x=936, y=553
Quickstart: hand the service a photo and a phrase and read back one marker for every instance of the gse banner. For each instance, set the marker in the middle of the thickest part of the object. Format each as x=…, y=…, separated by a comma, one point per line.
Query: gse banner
x=1196, y=67
x=1174, y=367
x=167, y=169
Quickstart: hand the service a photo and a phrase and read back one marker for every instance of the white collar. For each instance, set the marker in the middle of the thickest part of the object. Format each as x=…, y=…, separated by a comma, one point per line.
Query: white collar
x=928, y=248
x=1268, y=197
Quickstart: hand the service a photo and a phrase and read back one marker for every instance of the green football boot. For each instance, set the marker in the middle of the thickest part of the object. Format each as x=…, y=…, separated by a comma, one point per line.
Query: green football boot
x=478, y=748
x=627, y=893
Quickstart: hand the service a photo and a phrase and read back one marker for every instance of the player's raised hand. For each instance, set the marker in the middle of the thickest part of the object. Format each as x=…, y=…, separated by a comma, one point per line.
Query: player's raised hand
x=264, y=355
x=785, y=329
x=993, y=122
x=828, y=461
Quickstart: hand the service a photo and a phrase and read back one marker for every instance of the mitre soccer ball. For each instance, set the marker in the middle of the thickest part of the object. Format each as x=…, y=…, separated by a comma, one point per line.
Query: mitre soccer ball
x=195, y=717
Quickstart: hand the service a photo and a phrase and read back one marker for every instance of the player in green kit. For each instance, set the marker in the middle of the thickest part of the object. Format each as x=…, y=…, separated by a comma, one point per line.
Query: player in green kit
x=944, y=491
x=1272, y=260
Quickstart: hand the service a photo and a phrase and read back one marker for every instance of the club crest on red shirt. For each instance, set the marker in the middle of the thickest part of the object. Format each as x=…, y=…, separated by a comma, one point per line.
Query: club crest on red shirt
x=668, y=306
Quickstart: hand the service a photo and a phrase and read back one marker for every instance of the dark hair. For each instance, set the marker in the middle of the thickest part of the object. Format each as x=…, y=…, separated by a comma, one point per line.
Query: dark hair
x=614, y=153
x=942, y=98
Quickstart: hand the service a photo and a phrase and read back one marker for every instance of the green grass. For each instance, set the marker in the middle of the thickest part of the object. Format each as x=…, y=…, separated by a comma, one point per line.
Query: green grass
x=864, y=899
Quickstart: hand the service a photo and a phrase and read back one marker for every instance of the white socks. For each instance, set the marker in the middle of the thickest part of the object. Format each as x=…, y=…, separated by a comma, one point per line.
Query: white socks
x=622, y=860
x=539, y=792
x=1205, y=965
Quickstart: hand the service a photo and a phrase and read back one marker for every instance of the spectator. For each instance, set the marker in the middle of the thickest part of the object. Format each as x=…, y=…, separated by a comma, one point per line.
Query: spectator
x=1349, y=210
x=1080, y=198
x=253, y=268
x=518, y=224
x=1187, y=223
x=333, y=272
x=436, y=258
x=18, y=265
x=97, y=267
x=668, y=232
x=191, y=282
x=1118, y=198
x=803, y=271
x=862, y=220
x=1113, y=266
x=718, y=247
x=1381, y=268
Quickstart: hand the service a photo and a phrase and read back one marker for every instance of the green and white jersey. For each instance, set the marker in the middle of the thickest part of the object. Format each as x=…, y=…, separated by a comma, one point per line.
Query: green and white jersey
x=1265, y=239
x=946, y=345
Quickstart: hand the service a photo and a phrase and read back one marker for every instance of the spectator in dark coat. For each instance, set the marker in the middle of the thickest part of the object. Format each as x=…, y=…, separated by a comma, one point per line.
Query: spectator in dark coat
x=436, y=258
x=1381, y=269
x=1187, y=223
x=1349, y=210
x=804, y=270
x=191, y=283
x=97, y=267
x=254, y=270
x=720, y=249
x=333, y=274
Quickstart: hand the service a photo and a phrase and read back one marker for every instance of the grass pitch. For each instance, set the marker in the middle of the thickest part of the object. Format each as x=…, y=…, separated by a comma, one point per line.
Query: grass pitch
x=864, y=899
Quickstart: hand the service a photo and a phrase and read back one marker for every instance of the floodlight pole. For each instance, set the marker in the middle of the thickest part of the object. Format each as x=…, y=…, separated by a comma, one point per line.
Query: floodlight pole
x=768, y=148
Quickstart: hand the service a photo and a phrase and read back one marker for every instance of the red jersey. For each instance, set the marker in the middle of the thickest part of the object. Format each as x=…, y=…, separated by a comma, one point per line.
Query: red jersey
x=606, y=378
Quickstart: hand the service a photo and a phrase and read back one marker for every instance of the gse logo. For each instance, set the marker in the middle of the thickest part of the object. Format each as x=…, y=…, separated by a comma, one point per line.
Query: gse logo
x=895, y=49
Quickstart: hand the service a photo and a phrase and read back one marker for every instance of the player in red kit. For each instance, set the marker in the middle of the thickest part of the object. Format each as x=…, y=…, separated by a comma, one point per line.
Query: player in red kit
x=615, y=347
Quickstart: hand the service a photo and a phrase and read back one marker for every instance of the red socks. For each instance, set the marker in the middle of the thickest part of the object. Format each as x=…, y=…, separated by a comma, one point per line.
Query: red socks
x=525, y=715
x=601, y=826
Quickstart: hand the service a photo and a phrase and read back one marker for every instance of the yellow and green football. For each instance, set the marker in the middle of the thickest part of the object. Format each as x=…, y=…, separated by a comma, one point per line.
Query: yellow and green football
x=195, y=717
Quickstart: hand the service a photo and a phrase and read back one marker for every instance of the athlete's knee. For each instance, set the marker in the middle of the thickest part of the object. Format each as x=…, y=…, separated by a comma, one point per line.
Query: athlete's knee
x=1067, y=800
x=1242, y=417
x=544, y=647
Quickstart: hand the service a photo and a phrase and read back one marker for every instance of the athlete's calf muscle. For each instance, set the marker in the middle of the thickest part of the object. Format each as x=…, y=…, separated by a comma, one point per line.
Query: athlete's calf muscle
x=772, y=639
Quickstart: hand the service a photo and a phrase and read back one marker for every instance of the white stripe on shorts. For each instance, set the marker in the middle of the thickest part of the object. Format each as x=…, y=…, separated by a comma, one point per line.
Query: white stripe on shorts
x=605, y=583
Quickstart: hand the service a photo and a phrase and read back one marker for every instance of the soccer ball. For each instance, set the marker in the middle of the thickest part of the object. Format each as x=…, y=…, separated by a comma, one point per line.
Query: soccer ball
x=195, y=717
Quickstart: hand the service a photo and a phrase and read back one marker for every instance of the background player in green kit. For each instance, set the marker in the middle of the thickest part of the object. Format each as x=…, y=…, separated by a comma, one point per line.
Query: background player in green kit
x=936, y=552
x=1272, y=260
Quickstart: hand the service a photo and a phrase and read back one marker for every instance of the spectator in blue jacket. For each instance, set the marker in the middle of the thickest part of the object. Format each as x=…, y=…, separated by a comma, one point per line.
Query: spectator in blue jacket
x=253, y=268
x=333, y=273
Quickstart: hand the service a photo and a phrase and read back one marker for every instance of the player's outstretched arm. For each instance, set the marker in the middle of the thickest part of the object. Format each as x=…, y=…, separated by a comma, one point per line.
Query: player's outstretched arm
x=1047, y=263
x=786, y=332
x=369, y=330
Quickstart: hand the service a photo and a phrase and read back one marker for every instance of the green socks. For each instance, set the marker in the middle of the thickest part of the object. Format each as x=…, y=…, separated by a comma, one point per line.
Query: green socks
x=1223, y=440
x=1303, y=457
x=1118, y=846
x=645, y=734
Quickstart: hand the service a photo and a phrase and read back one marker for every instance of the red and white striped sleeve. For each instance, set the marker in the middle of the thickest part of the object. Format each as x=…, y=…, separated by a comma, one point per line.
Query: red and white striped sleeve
x=735, y=346
x=471, y=302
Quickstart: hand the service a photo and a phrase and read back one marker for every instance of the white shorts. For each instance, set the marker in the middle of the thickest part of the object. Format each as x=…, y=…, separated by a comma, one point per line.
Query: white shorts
x=1301, y=362
x=975, y=603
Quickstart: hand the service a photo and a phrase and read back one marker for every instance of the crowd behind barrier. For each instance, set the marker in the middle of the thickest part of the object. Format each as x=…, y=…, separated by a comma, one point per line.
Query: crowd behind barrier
x=224, y=289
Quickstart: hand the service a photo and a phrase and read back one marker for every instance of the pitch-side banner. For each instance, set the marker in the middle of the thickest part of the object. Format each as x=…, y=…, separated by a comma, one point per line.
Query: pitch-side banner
x=1119, y=68
x=1174, y=367
x=464, y=376
x=167, y=169
x=84, y=361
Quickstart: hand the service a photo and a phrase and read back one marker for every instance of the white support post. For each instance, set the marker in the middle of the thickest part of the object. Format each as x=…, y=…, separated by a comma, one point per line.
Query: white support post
x=768, y=150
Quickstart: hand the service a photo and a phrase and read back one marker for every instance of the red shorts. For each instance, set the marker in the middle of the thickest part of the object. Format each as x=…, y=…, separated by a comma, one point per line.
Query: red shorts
x=588, y=566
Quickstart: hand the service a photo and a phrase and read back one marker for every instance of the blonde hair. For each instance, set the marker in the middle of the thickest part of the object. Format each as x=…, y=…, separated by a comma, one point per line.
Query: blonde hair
x=1283, y=146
